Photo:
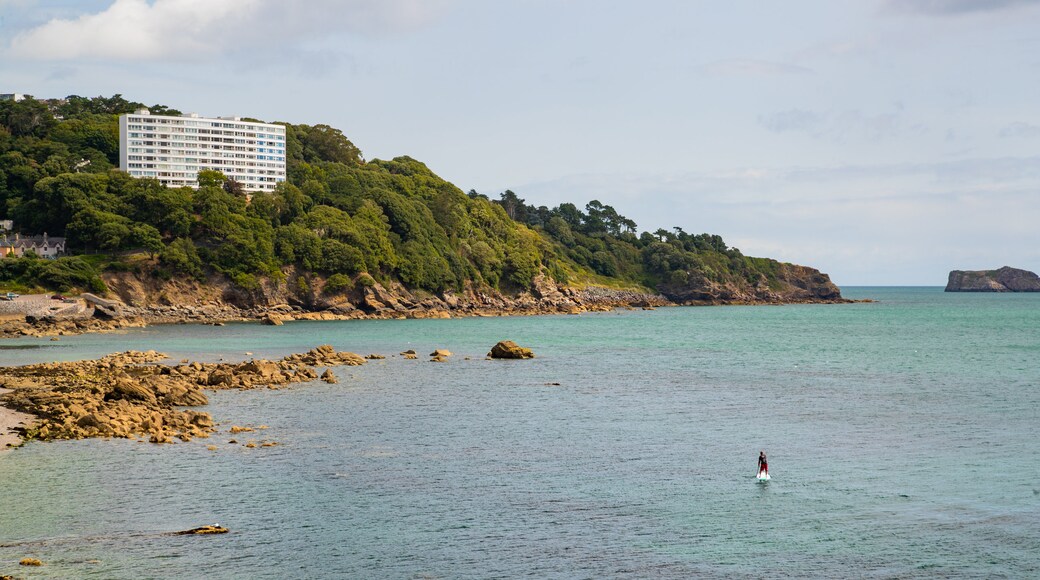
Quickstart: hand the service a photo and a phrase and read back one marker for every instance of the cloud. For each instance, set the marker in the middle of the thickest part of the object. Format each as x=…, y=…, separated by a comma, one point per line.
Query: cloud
x=751, y=67
x=793, y=120
x=191, y=30
x=948, y=7
x=1020, y=129
x=840, y=126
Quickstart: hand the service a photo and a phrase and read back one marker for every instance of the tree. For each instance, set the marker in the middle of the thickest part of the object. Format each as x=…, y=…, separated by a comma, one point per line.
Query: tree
x=514, y=206
x=211, y=178
x=325, y=143
x=146, y=237
x=27, y=117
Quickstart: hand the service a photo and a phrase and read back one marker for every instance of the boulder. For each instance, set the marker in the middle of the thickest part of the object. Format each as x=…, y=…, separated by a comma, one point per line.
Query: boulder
x=271, y=320
x=441, y=352
x=510, y=350
x=220, y=377
x=329, y=377
x=130, y=389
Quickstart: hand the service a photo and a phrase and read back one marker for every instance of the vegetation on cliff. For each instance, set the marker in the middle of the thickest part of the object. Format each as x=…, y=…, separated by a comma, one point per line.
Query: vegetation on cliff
x=339, y=221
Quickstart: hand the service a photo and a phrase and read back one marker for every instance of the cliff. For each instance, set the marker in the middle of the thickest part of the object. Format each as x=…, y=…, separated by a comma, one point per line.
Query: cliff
x=1006, y=279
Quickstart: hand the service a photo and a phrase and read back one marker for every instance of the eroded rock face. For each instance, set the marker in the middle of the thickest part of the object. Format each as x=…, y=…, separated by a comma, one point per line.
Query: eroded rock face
x=1005, y=279
x=789, y=283
x=510, y=349
x=128, y=394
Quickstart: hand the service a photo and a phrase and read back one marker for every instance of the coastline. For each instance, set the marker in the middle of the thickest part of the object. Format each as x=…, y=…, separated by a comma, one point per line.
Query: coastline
x=376, y=303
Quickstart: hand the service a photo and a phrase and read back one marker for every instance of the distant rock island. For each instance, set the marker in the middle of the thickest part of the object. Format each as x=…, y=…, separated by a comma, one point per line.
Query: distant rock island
x=1006, y=279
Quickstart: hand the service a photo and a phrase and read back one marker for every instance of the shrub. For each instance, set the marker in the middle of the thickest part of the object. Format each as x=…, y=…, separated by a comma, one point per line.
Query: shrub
x=339, y=283
x=365, y=280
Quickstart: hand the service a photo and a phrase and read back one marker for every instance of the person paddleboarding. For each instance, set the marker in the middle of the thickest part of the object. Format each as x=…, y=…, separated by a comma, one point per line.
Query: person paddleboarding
x=763, y=466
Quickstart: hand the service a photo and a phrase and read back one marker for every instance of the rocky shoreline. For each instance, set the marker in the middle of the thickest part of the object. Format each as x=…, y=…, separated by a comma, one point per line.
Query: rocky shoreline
x=137, y=305
x=131, y=394
x=135, y=394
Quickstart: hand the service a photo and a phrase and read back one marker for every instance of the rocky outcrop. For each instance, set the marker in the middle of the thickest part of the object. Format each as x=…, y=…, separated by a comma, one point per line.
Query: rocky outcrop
x=511, y=350
x=128, y=394
x=1006, y=279
x=788, y=283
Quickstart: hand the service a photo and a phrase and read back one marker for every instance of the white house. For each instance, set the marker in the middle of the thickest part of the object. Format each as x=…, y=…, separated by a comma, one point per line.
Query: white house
x=174, y=149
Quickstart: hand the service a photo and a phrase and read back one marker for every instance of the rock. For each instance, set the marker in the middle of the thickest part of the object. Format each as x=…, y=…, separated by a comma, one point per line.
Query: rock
x=130, y=389
x=88, y=420
x=1005, y=279
x=375, y=357
x=30, y=562
x=407, y=352
x=212, y=447
x=220, y=377
x=439, y=359
x=126, y=395
x=411, y=356
x=213, y=529
x=441, y=352
x=236, y=429
x=271, y=320
x=329, y=377
x=511, y=350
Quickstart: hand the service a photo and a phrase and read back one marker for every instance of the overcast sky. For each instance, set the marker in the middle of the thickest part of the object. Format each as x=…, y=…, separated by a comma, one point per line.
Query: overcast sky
x=884, y=142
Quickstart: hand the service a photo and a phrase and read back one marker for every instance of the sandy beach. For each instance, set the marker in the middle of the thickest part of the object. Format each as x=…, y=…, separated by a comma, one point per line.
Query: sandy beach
x=10, y=419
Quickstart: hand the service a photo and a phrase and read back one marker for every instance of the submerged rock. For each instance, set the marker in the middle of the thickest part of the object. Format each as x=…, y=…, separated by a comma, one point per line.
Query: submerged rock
x=213, y=529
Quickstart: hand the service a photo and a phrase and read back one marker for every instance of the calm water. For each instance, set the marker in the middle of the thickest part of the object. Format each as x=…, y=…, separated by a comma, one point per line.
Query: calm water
x=901, y=437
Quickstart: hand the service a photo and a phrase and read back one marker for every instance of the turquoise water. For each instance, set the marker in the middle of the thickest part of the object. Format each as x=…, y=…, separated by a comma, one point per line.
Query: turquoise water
x=901, y=437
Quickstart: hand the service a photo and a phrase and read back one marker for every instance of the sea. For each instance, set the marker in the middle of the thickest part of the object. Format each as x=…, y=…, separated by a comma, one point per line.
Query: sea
x=901, y=436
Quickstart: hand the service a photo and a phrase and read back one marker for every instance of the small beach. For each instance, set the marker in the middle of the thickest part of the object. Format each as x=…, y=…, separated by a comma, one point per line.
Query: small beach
x=10, y=420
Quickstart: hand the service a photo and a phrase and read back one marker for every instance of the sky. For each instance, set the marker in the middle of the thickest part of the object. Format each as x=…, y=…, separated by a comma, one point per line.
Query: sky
x=884, y=142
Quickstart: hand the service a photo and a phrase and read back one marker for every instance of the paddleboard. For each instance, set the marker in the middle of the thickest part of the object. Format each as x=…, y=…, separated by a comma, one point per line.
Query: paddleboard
x=763, y=476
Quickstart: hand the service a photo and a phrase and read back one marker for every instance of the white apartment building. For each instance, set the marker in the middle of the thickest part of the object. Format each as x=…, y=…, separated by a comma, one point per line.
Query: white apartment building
x=174, y=149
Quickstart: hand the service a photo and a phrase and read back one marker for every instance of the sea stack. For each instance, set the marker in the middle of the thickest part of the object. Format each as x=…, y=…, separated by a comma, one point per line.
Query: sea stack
x=1006, y=279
